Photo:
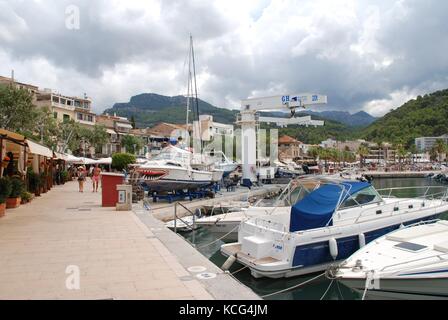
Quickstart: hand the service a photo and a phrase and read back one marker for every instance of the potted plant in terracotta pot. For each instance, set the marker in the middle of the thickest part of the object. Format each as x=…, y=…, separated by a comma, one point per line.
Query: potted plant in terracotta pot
x=43, y=182
x=14, y=199
x=5, y=190
x=34, y=183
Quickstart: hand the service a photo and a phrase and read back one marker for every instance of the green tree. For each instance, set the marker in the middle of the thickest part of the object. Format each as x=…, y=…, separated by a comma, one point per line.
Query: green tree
x=120, y=161
x=441, y=149
x=17, y=112
x=133, y=122
x=363, y=151
x=132, y=143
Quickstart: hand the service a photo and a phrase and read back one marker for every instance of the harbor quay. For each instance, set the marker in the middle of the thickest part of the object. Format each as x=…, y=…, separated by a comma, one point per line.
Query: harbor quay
x=64, y=245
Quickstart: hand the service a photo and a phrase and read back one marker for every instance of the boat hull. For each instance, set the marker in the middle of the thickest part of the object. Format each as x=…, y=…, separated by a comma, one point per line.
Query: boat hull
x=421, y=288
x=175, y=178
x=315, y=257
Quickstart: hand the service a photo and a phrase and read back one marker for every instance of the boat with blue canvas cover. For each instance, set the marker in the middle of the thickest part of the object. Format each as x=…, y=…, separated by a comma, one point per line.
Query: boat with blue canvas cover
x=331, y=219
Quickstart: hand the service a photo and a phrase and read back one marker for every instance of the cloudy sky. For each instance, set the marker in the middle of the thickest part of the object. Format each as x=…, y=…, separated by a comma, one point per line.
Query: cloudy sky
x=365, y=54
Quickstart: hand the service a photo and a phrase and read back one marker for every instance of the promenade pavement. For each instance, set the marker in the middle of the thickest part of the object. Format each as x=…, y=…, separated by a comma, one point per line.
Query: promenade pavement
x=46, y=244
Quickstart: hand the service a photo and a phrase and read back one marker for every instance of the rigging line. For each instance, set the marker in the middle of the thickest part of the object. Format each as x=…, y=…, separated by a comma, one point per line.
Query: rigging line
x=294, y=287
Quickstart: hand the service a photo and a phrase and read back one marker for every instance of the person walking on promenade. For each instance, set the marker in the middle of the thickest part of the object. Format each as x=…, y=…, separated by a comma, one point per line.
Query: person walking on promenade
x=96, y=177
x=81, y=178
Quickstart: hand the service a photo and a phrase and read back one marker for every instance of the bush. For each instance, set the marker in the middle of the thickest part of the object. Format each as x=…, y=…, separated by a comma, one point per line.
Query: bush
x=34, y=181
x=120, y=161
x=64, y=176
x=5, y=189
x=17, y=187
x=26, y=196
x=43, y=179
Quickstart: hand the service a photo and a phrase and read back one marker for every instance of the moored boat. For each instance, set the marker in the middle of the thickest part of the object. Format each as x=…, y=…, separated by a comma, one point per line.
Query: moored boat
x=409, y=263
x=332, y=219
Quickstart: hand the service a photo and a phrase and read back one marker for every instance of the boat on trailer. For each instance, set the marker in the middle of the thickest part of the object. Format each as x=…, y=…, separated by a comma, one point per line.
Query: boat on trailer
x=171, y=170
x=409, y=263
x=332, y=219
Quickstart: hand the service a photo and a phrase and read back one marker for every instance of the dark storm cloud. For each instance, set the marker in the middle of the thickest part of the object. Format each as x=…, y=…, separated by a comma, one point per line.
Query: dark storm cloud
x=362, y=54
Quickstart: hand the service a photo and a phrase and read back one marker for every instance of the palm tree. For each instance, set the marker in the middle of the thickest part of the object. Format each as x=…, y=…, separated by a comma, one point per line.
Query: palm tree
x=380, y=145
x=440, y=148
x=363, y=151
x=401, y=151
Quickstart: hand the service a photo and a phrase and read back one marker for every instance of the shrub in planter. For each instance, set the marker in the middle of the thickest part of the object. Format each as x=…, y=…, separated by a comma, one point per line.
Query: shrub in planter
x=43, y=182
x=5, y=190
x=34, y=183
x=64, y=176
x=17, y=187
x=26, y=197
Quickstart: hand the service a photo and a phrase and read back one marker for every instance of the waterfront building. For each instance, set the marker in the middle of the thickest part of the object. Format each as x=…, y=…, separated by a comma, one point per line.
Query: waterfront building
x=66, y=108
x=116, y=127
x=20, y=85
x=289, y=148
x=426, y=143
x=210, y=129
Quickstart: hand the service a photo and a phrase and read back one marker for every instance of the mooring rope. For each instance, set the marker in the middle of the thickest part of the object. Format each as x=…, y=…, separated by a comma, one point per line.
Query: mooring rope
x=326, y=291
x=235, y=272
x=294, y=287
x=209, y=244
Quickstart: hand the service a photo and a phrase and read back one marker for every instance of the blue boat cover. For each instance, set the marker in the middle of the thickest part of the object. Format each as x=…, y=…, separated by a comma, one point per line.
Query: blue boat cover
x=316, y=209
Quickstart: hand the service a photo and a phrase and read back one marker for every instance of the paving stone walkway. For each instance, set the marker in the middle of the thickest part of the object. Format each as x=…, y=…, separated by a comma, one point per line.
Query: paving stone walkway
x=43, y=245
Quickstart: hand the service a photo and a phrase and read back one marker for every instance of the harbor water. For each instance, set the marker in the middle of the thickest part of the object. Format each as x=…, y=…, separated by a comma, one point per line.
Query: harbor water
x=320, y=288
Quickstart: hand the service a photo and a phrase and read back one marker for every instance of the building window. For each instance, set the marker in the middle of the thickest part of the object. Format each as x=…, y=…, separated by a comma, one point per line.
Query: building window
x=90, y=118
x=63, y=101
x=55, y=115
x=69, y=102
x=55, y=99
x=66, y=118
x=79, y=116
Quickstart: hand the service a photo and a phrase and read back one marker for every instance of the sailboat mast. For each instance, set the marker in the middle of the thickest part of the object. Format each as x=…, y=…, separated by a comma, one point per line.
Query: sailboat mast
x=196, y=93
x=188, y=93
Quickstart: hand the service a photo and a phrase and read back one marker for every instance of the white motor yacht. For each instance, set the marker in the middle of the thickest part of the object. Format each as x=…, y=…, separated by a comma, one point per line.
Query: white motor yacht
x=171, y=170
x=409, y=263
x=329, y=222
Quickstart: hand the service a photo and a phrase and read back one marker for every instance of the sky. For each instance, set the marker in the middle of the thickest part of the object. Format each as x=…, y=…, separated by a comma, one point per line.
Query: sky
x=364, y=55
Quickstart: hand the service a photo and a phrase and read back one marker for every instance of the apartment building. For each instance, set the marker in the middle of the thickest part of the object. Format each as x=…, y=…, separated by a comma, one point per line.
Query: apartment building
x=289, y=148
x=19, y=85
x=66, y=108
x=209, y=128
x=427, y=143
x=116, y=127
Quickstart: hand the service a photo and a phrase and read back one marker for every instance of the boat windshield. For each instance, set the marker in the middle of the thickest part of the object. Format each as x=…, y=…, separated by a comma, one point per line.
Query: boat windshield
x=173, y=154
x=362, y=197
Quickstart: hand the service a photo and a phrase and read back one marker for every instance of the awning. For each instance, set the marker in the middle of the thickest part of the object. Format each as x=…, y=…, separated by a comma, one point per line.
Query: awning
x=39, y=149
x=72, y=159
x=104, y=161
x=12, y=135
x=59, y=156
x=88, y=160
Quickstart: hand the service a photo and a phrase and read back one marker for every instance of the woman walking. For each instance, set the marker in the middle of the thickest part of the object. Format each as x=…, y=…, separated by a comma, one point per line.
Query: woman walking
x=96, y=172
x=81, y=178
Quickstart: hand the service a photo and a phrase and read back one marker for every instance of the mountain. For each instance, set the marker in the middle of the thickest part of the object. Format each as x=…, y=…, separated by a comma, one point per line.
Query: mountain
x=150, y=109
x=424, y=116
x=359, y=119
